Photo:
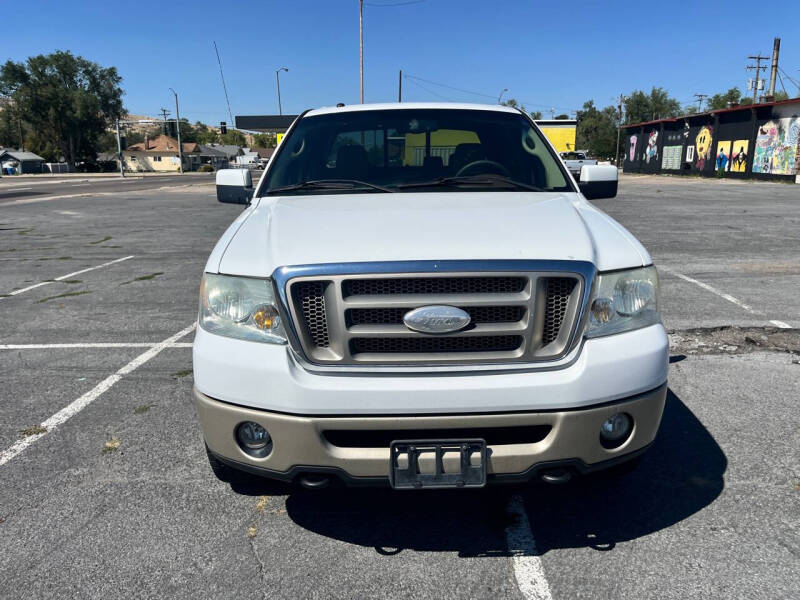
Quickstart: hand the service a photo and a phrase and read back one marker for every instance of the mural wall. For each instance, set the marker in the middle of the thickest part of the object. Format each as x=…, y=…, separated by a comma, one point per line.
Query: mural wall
x=760, y=142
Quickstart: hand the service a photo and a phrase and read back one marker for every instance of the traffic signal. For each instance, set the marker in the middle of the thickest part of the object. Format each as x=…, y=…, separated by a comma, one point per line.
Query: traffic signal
x=223, y=127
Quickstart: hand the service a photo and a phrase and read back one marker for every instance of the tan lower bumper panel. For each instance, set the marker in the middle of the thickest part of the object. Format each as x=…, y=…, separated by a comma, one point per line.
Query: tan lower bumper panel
x=302, y=446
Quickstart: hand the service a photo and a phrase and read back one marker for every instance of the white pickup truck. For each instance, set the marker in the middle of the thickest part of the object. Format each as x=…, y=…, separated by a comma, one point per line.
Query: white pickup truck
x=575, y=161
x=421, y=296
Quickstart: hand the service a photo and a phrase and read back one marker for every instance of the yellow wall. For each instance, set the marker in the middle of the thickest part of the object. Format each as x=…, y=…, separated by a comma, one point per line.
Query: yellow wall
x=442, y=138
x=562, y=137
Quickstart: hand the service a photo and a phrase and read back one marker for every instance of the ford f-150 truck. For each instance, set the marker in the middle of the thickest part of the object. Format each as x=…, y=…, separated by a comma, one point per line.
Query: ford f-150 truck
x=421, y=295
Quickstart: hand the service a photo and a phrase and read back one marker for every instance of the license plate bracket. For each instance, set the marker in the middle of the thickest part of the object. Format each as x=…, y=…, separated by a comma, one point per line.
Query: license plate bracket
x=433, y=464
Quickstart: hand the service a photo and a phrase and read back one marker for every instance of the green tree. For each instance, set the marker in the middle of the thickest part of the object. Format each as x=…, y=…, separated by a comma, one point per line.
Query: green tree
x=720, y=101
x=641, y=107
x=204, y=135
x=234, y=138
x=597, y=130
x=264, y=140
x=562, y=116
x=68, y=102
x=512, y=102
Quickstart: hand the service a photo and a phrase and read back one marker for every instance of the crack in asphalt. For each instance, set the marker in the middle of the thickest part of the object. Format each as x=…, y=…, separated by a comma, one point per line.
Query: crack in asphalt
x=730, y=339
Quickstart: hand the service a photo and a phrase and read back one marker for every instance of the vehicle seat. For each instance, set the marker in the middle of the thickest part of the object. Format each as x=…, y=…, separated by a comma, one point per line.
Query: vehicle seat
x=465, y=154
x=433, y=166
x=351, y=162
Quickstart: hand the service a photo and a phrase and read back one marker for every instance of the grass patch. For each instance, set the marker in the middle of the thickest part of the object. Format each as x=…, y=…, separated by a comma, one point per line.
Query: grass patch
x=105, y=239
x=143, y=278
x=262, y=503
x=252, y=531
x=143, y=408
x=55, y=258
x=5, y=295
x=24, y=231
x=112, y=445
x=9, y=250
x=32, y=430
x=182, y=373
x=65, y=295
x=71, y=281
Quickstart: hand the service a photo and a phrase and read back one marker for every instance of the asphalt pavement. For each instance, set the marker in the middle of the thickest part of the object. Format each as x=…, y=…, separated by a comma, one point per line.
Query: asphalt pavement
x=37, y=188
x=117, y=500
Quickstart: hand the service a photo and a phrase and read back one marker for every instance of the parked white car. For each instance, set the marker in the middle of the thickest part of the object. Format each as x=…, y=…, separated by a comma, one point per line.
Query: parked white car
x=421, y=295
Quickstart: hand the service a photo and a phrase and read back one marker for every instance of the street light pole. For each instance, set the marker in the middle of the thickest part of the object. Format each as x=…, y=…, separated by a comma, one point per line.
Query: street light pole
x=501, y=95
x=361, y=45
x=178, y=129
x=278, y=81
x=119, y=153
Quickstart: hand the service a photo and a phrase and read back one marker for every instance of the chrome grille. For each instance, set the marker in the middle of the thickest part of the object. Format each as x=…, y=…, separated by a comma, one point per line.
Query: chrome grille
x=516, y=317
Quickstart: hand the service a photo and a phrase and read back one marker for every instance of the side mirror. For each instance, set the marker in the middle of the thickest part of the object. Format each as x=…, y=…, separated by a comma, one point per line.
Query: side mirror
x=598, y=181
x=234, y=186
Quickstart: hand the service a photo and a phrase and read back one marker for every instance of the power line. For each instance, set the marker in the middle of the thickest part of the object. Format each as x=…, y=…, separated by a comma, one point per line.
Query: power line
x=419, y=85
x=230, y=115
x=406, y=3
x=483, y=95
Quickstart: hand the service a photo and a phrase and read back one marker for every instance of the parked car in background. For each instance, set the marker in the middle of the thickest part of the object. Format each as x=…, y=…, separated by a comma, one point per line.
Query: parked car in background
x=576, y=160
x=418, y=295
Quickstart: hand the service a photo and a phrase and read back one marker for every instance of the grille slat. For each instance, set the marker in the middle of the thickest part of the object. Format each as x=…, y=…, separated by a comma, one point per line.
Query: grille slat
x=432, y=344
x=310, y=295
x=433, y=285
x=559, y=290
x=392, y=316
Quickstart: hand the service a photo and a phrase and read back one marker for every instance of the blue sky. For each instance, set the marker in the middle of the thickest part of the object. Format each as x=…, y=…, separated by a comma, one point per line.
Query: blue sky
x=548, y=54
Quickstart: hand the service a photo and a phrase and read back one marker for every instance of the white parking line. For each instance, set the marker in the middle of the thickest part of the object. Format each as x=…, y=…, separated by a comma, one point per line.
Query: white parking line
x=93, y=345
x=721, y=294
x=67, y=276
x=78, y=405
x=528, y=569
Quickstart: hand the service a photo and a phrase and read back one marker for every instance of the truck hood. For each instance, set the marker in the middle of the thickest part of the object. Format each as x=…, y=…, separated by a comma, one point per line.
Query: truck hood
x=298, y=230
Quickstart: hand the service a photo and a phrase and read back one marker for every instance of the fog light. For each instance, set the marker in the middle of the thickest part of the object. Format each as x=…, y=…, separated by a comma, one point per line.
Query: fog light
x=616, y=428
x=253, y=436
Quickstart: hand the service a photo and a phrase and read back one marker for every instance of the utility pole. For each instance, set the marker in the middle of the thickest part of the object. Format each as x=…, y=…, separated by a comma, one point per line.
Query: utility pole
x=700, y=98
x=164, y=113
x=776, y=48
x=119, y=153
x=361, y=45
x=400, y=86
x=619, y=129
x=178, y=129
x=758, y=68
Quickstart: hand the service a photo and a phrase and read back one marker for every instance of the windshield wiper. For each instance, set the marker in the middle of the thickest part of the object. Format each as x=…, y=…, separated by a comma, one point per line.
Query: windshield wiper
x=487, y=179
x=329, y=184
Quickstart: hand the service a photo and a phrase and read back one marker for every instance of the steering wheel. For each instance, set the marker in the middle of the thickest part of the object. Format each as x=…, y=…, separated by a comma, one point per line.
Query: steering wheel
x=495, y=166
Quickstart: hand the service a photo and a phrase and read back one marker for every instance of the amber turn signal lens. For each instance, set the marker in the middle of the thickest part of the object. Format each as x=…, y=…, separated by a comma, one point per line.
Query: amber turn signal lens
x=266, y=317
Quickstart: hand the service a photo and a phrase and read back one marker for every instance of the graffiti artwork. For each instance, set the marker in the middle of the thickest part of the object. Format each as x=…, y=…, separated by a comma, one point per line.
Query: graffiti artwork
x=652, y=147
x=671, y=158
x=739, y=156
x=703, y=144
x=632, y=151
x=776, y=146
x=723, y=156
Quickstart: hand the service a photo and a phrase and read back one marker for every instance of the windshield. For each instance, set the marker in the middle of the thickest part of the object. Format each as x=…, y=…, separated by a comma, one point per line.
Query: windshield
x=413, y=150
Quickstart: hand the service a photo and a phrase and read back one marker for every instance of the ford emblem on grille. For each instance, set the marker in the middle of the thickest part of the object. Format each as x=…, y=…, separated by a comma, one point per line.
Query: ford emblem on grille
x=436, y=319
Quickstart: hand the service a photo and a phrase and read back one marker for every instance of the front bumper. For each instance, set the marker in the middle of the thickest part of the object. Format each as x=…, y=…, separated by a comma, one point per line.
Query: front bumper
x=301, y=444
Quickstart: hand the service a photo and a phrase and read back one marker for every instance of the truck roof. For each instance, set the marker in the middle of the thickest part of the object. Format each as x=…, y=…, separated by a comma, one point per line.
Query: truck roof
x=409, y=105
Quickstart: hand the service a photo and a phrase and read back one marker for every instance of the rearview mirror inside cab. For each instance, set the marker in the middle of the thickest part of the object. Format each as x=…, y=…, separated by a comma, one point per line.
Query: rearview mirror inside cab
x=234, y=186
x=598, y=181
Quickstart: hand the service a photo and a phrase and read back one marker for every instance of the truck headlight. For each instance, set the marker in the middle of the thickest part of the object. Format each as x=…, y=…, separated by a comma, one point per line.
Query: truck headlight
x=240, y=307
x=622, y=301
